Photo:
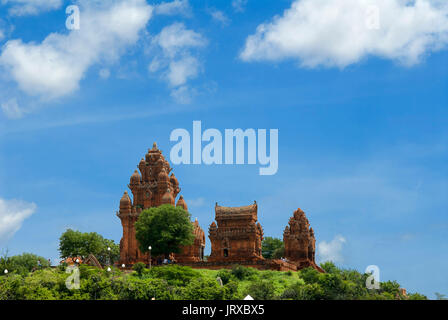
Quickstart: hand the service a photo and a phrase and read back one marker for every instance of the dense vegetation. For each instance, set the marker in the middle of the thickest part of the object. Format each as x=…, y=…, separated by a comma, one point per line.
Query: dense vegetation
x=165, y=228
x=74, y=243
x=272, y=248
x=177, y=282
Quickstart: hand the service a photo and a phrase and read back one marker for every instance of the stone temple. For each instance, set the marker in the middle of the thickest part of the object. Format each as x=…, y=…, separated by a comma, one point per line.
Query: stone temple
x=235, y=237
x=152, y=187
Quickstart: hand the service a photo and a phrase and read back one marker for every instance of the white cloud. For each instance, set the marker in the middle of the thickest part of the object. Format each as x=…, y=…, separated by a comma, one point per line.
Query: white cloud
x=331, y=251
x=176, y=61
x=2, y=34
x=12, y=215
x=183, y=69
x=183, y=94
x=239, y=5
x=175, y=39
x=220, y=17
x=55, y=67
x=337, y=33
x=31, y=7
x=11, y=109
x=176, y=7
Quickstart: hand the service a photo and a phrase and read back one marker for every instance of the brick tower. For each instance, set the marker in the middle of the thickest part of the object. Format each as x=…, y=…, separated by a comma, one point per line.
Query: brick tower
x=236, y=235
x=151, y=187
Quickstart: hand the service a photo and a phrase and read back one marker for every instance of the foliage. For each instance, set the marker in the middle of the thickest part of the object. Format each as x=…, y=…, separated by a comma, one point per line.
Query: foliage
x=174, y=274
x=242, y=273
x=165, y=228
x=75, y=243
x=263, y=290
x=139, y=267
x=278, y=253
x=269, y=245
x=22, y=264
x=179, y=282
x=203, y=289
x=418, y=296
x=225, y=275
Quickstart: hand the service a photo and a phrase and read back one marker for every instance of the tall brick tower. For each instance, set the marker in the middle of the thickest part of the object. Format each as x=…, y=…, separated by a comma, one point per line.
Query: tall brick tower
x=299, y=240
x=151, y=187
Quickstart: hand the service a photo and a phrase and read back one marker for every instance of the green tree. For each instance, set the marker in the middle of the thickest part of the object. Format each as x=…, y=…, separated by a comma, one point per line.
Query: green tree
x=165, y=228
x=279, y=253
x=23, y=264
x=269, y=246
x=74, y=243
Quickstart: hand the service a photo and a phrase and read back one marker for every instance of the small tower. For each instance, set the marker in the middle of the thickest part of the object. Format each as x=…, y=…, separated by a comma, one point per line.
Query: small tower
x=299, y=240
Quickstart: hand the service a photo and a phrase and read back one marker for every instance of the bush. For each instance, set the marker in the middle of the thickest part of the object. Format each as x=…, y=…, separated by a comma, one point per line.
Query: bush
x=332, y=285
x=174, y=274
x=144, y=289
x=310, y=275
x=231, y=291
x=243, y=273
x=203, y=289
x=262, y=290
x=139, y=267
x=225, y=275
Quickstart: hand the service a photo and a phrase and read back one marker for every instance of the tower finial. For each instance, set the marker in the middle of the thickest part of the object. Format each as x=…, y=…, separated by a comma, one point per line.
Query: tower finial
x=154, y=146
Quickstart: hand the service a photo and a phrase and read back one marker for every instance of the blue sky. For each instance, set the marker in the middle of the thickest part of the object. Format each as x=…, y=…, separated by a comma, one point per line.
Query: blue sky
x=361, y=113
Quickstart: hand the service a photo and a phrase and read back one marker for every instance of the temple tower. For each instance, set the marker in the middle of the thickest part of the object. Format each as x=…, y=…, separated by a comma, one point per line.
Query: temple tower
x=151, y=186
x=299, y=240
x=236, y=235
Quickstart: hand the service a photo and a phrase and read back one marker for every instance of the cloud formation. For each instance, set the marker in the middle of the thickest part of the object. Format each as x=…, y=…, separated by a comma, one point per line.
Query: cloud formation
x=220, y=17
x=331, y=251
x=11, y=109
x=176, y=60
x=337, y=33
x=54, y=68
x=176, y=7
x=31, y=7
x=12, y=215
x=239, y=5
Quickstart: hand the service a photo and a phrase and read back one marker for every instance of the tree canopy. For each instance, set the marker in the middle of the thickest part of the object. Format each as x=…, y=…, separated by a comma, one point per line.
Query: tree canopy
x=272, y=248
x=165, y=228
x=22, y=264
x=75, y=243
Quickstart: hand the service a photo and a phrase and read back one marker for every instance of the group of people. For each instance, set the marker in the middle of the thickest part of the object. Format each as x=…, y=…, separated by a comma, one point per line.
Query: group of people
x=169, y=260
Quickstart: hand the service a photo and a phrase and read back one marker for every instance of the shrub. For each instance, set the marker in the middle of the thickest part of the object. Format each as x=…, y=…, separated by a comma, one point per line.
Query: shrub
x=139, y=267
x=144, y=289
x=231, y=291
x=243, y=273
x=203, y=289
x=310, y=275
x=174, y=274
x=262, y=290
x=225, y=275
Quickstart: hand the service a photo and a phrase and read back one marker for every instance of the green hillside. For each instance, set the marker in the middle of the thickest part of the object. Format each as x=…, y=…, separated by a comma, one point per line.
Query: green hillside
x=177, y=282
